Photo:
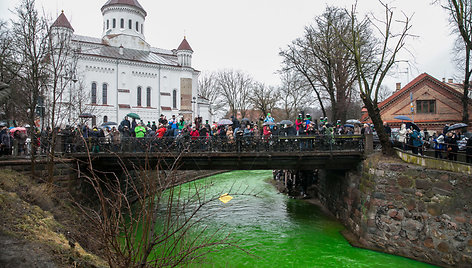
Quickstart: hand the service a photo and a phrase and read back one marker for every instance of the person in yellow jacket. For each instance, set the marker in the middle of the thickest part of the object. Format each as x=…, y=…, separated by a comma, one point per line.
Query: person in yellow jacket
x=140, y=132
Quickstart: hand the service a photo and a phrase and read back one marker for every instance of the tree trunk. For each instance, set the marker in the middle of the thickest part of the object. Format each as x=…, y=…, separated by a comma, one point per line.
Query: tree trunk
x=465, y=97
x=374, y=114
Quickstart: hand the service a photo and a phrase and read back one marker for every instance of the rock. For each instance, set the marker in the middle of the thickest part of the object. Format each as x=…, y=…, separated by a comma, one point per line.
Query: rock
x=470, y=243
x=443, y=247
x=434, y=210
x=419, y=194
x=412, y=228
x=460, y=220
x=379, y=195
x=408, y=190
x=404, y=182
x=441, y=191
x=429, y=243
x=423, y=184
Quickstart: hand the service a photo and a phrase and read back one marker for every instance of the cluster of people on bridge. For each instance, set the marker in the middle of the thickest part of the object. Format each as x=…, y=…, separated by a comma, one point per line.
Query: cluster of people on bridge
x=133, y=133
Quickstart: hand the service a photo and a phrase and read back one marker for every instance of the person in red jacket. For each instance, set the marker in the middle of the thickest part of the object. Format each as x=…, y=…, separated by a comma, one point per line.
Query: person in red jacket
x=194, y=133
x=161, y=131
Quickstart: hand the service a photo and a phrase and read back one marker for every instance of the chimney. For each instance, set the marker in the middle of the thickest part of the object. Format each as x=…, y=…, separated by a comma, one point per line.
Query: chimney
x=121, y=50
x=399, y=86
x=450, y=80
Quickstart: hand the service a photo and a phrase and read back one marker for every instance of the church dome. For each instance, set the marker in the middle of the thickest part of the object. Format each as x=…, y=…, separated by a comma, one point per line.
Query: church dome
x=63, y=22
x=184, y=45
x=133, y=3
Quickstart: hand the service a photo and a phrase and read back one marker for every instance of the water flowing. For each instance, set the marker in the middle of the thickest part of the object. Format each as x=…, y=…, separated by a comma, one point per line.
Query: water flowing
x=280, y=231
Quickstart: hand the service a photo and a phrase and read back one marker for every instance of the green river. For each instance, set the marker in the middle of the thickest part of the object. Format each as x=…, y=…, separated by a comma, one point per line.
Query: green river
x=280, y=231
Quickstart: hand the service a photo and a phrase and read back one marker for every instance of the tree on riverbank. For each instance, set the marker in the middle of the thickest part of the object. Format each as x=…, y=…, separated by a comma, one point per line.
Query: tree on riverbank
x=146, y=218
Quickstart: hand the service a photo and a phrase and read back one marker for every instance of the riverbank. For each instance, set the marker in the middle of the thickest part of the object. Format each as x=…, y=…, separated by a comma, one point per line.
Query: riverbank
x=40, y=227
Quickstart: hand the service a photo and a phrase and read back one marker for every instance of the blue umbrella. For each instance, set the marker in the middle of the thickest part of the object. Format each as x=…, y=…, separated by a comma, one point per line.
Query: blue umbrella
x=403, y=118
x=457, y=126
x=348, y=125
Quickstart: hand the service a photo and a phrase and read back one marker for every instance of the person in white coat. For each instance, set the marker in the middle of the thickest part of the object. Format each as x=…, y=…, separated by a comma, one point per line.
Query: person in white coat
x=402, y=135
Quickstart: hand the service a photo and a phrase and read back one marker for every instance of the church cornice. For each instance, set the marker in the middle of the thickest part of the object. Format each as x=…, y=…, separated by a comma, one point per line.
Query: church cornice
x=136, y=63
x=123, y=9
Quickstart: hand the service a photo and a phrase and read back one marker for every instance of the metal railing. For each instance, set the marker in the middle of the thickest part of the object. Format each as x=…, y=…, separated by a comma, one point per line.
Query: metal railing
x=250, y=144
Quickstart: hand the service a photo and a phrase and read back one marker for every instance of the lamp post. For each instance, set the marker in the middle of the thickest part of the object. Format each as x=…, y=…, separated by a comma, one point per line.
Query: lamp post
x=194, y=104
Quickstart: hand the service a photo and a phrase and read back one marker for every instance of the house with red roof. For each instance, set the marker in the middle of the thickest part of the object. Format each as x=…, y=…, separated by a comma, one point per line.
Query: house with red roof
x=431, y=104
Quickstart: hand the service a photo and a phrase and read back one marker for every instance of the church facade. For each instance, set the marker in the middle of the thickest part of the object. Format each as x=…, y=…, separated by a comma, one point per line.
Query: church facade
x=121, y=73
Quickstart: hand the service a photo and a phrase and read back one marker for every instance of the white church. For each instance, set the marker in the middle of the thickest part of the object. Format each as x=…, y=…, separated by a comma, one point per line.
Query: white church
x=121, y=73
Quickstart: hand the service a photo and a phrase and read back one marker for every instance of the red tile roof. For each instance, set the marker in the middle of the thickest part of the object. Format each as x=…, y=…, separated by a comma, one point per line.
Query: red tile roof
x=133, y=3
x=62, y=21
x=184, y=45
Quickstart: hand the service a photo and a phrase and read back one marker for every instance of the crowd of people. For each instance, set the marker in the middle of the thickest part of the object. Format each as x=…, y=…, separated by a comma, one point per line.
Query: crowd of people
x=134, y=135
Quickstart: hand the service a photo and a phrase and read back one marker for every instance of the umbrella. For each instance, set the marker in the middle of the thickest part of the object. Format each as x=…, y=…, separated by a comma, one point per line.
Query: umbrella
x=133, y=115
x=86, y=115
x=246, y=119
x=457, y=126
x=225, y=122
x=18, y=129
x=109, y=123
x=348, y=125
x=268, y=124
x=403, y=118
x=410, y=124
x=353, y=121
x=286, y=122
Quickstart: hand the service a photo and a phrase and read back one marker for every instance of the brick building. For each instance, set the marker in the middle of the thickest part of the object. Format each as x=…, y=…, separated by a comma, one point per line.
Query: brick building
x=435, y=103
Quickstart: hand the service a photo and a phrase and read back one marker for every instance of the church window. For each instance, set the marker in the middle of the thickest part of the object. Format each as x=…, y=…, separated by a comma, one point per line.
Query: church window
x=114, y=23
x=94, y=93
x=105, y=94
x=174, y=99
x=148, y=97
x=142, y=26
x=426, y=106
x=130, y=24
x=108, y=24
x=137, y=26
x=122, y=23
x=105, y=119
x=139, y=96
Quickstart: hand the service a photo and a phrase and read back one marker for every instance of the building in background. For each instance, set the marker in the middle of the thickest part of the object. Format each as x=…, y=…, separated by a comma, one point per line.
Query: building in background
x=435, y=103
x=121, y=73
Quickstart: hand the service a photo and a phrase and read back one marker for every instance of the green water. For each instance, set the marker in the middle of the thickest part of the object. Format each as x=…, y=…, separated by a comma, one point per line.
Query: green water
x=279, y=231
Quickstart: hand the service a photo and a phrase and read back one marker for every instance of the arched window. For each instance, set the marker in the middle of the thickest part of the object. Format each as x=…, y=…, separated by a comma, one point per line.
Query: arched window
x=108, y=24
x=114, y=23
x=174, y=99
x=142, y=27
x=122, y=23
x=130, y=24
x=105, y=94
x=105, y=119
x=139, y=96
x=137, y=26
x=94, y=93
x=148, y=97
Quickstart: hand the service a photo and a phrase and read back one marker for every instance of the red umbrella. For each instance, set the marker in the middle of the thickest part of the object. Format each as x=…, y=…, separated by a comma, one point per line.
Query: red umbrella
x=13, y=130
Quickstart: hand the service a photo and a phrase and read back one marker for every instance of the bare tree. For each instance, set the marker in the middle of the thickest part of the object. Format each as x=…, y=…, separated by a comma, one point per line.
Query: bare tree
x=234, y=87
x=382, y=55
x=264, y=98
x=297, y=59
x=30, y=40
x=295, y=94
x=460, y=15
x=144, y=220
x=207, y=88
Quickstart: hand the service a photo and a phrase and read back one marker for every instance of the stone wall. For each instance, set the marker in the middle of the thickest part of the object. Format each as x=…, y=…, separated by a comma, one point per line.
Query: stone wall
x=403, y=209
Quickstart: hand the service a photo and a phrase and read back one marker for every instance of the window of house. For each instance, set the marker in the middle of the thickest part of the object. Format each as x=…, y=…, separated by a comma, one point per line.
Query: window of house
x=148, y=97
x=105, y=94
x=142, y=27
x=122, y=23
x=130, y=24
x=139, y=96
x=174, y=99
x=108, y=24
x=105, y=119
x=137, y=26
x=426, y=106
x=94, y=93
x=114, y=23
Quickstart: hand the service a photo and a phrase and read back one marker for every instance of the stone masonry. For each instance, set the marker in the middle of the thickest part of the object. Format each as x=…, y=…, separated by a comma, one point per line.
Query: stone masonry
x=403, y=209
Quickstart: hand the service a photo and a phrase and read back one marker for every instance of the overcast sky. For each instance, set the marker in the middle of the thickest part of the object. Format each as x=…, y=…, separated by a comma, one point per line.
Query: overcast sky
x=248, y=34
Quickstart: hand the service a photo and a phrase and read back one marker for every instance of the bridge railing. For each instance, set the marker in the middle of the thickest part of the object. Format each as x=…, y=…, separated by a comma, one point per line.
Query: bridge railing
x=250, y=144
